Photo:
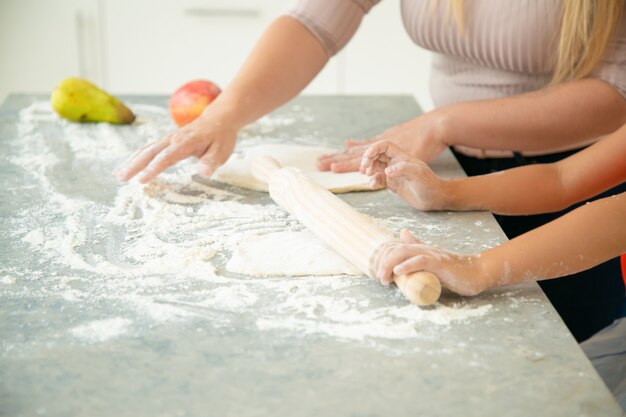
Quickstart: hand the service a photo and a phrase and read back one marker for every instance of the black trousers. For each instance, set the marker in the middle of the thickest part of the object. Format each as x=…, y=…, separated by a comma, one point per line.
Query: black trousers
x=587, y=301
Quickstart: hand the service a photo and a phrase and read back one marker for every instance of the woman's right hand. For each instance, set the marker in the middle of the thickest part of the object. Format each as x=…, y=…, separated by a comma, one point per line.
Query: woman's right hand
x=210, y=139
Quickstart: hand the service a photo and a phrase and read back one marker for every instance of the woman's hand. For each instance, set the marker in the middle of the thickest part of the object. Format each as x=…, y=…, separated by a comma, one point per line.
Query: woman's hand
x=422, y=138
x=462, y=274
x=408, y=177
x=209, y=138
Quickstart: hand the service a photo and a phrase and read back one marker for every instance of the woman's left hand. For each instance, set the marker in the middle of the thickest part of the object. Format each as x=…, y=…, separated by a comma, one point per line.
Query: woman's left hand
x=423, y=137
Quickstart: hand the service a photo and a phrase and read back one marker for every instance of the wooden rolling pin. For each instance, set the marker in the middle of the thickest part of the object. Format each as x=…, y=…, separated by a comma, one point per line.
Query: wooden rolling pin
x=354, y=235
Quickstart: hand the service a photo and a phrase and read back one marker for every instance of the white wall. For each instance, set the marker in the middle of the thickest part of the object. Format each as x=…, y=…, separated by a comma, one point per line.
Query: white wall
x=153, y=46
x=42, y=42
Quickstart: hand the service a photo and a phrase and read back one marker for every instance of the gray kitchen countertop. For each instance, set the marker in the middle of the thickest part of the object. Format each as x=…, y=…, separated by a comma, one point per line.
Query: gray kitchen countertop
x=81, y=337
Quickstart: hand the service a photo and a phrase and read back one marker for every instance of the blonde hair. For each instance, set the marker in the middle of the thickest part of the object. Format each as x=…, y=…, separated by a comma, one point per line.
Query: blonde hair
x=586, y=28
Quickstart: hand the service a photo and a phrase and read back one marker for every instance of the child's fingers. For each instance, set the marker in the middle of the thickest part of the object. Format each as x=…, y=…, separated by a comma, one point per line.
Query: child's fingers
x=404, y=169
x=413, y=264
x=390, y=256
x=374, y=168
x=378, y=181
x=378, y=150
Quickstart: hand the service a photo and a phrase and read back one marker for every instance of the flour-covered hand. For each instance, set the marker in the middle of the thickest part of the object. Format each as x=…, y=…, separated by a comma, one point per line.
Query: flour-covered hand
x=462, y=274
x=410, y=178
x=422, y=137
x=209, y=139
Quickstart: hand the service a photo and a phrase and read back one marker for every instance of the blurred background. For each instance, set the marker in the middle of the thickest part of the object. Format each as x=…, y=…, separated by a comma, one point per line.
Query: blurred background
x=154, y=46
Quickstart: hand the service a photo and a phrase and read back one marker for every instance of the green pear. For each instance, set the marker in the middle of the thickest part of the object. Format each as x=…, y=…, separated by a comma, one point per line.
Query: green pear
x=79, y=100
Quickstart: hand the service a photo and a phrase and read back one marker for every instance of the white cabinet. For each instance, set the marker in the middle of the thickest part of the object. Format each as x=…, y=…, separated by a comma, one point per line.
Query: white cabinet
x=381, y=58
x=42, y=42
x=154, y=46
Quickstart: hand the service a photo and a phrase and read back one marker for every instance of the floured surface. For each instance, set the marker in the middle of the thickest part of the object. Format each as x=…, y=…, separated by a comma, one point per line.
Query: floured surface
x=236, y=171
x=106, y=288
x=182, y=249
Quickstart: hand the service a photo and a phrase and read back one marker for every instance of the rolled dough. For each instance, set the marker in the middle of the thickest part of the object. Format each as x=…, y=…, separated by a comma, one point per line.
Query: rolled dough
x=288, y=254
x=236, y=171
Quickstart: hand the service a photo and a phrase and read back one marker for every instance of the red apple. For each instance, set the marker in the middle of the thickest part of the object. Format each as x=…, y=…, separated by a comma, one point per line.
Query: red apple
x=189, y=101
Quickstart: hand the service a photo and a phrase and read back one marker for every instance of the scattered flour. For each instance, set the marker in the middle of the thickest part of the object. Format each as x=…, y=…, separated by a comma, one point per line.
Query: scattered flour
x=7, y=279
x=346, y=318
x=101, y=330
x=163, y=252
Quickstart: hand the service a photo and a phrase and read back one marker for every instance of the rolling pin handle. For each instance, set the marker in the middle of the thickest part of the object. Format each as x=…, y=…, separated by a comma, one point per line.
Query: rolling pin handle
x=421, y=288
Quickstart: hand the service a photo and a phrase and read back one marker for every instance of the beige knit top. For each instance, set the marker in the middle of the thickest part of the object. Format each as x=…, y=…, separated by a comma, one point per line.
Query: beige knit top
x=507, y=46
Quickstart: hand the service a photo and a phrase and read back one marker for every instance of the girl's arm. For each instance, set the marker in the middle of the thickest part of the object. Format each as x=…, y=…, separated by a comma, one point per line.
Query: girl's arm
x=526, y=190
x=574, y=242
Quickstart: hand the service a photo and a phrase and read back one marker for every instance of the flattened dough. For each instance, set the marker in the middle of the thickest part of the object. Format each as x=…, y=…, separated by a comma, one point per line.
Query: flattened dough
x=288, y=254
x=236, y=171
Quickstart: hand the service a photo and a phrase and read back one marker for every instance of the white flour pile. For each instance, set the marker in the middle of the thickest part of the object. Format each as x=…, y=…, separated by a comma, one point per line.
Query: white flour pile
x=158, y=252
x=101, y=330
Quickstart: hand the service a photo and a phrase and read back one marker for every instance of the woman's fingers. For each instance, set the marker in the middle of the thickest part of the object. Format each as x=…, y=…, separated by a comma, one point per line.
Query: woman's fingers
x=348, y=165
x=325, y=161
x=140, y=159
x=132, y=156
x=351, y=143
x=215, y=156
x=337, y=160
x=166, y=158
x=208, y=162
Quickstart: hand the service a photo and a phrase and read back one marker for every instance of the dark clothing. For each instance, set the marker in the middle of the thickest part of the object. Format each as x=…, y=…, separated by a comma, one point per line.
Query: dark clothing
x=587, y=301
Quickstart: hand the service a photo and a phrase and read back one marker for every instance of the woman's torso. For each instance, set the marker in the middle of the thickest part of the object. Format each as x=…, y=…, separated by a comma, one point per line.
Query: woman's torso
x=506, y=47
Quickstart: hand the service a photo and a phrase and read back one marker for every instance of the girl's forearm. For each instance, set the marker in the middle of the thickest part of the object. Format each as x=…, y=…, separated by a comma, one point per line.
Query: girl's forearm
x=574, y=242
x=543, y=188
x=544, y=120
x=525, y=190
x=283, y=62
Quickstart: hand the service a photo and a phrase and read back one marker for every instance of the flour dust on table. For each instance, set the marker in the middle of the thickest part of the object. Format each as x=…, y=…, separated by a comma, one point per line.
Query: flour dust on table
x=236, y=171
x=181, y=249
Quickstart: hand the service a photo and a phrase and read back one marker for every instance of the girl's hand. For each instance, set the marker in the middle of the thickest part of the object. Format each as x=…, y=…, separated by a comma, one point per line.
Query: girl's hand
x=422, y=138
x=209, y=139
x=408, y=177
x=462, y=274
